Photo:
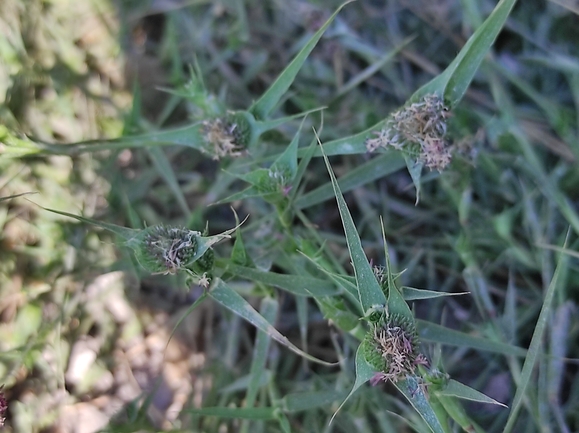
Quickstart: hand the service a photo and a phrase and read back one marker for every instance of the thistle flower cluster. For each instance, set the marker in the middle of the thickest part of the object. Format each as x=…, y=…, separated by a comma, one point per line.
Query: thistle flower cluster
x=418, y=129
x=167, y=249
x=391, y=347
x=279, y=181
x=225, y=136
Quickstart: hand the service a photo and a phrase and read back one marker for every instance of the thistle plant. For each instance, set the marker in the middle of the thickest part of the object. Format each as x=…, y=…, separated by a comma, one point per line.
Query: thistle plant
x=263, y=169
x=389, y=348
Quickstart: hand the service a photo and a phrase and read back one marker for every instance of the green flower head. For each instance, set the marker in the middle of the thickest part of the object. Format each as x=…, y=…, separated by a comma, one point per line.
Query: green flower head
x=161, y=249
x=227, y=136
x=391, y=347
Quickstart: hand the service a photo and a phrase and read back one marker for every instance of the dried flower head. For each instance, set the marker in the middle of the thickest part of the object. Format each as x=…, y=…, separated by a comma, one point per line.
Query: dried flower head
x=167, y=249
x=418, y=129
x=391, y=347
x=226, y=136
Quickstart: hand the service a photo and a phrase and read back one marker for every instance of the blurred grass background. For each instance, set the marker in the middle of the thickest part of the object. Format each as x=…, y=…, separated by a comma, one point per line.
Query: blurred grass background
x=83, y=343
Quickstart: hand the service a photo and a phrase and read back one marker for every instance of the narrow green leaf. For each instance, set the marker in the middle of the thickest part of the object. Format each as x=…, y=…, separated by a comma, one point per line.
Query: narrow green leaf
x=249, y=192
x=302, y=401
x=346, y=282
x=165, y=169
x=10, y=197
x=412, y=294
x=351, y=145
x=415, y=170
x=269, y=308
x=334, y=309
x=254, y=413
x=122, y=232
x=454, y=81
x=231, y=300
x=372, y=69
x=188, y=136
x=266, y=103
x=187, y=312
x=242, y=384
x=482, y=40
x=238, y=254
x=301, y=171
x=535, y=168
x=459, y=390
x=283, y=421
x=536, y=343
x=376, y=168
x=429, y=331
x=265, y=125
x=456, y=411
x=299, y=285
x=411, y=389
x=396, y=303
x=369, y=291
x=364, y=372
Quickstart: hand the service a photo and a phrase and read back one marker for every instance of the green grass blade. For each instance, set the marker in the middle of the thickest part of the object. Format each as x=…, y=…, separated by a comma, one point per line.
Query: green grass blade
x=439, y=334
x=369, y=291
x=537, y=172
x=230, y=299
x=372, y=69
x=164, y=168
x=242, y=384
x=536, y=344
x=10, y=197
x=299, y=285
x=248, y=192
x=265, y=104
x=376, y=168
x=456, y=78
x=269, y=308
x=123, y=232
x=303, y=401
x=184, y=316
x=301, y=171
x=254, y=413
x=271, y=124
